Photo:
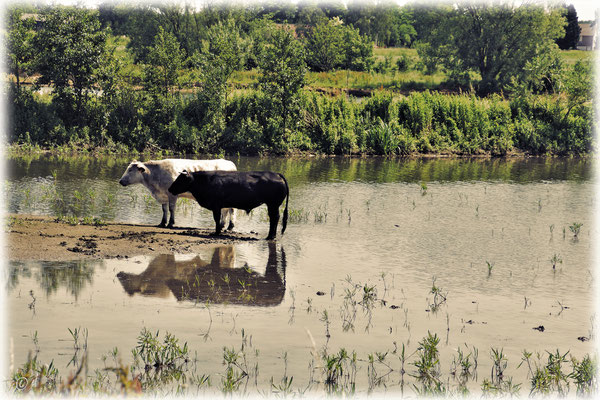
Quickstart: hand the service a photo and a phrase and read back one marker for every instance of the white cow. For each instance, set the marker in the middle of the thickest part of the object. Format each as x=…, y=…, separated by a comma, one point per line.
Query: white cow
x=157, y=176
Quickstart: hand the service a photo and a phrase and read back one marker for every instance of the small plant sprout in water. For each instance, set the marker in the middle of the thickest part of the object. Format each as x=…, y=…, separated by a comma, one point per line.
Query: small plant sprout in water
x=439, y=297
x=575, y=227
x=490, y=267
x=555, y=260
x=325, y=319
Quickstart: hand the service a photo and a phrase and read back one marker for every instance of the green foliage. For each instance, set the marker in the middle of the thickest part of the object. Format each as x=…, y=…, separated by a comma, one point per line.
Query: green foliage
x=494, y=41
x=387, y=23
x=154, y=354
x=324, y=46
x=585, y=375
x=331, y=45
x=551, y=377
x=428, y=362
x=575, y=227
x=268, y=109
x=340, y=371
x=19, y=43
x=164, y=58
x=282, y=68
x=34, y=377
x=572, y=30
x=69, y=51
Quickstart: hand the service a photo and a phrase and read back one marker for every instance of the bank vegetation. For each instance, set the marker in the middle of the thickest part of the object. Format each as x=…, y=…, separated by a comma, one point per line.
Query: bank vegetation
x=298, y=79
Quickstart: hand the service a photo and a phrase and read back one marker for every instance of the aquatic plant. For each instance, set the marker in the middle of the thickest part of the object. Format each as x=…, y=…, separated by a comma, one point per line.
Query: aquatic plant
x=550, y=377
x=235, y=370
x=154, y=354
x=325, y=319
x=297, y=216
x=320, y=215
x=75, y=334
x=439, y=297
x=500, y=363
x=34, y=377
x=462, y=366
x=575, y=227
x=427, y=363
x=340, y=371
x=555, y=260
x=490, y=267
x=585, y=375
x=375, y=378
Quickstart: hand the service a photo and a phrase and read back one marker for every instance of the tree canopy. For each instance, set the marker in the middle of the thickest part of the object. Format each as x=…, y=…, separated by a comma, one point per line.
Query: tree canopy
x=493, y=41
x=572, y=30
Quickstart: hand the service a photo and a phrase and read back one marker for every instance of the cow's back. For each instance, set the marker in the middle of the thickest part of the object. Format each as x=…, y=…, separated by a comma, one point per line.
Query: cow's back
x=164, y=172
x=180, y=165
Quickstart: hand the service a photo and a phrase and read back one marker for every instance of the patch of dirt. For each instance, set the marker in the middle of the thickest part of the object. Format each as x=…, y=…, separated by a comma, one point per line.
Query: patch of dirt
x=29, y=237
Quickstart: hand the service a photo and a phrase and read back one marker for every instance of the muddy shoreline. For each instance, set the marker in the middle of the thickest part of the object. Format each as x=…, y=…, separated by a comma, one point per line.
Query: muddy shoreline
x=33, y=237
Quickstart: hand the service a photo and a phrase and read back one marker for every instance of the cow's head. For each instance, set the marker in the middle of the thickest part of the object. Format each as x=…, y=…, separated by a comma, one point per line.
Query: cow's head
x=134, y=173
x=182, y=183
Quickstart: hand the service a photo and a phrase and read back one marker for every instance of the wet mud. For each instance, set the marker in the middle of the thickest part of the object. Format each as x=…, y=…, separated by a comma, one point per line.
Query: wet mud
x=43, y=238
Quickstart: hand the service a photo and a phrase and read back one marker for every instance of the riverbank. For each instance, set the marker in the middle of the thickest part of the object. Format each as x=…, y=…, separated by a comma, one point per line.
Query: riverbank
x=382, y=124
x=29, y=150
x=32, y=237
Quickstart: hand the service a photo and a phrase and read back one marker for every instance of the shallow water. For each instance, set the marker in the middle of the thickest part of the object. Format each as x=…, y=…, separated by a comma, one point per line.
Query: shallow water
x=483, y=232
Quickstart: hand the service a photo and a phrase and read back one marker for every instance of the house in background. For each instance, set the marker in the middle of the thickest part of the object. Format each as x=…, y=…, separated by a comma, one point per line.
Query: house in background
x=587, y=37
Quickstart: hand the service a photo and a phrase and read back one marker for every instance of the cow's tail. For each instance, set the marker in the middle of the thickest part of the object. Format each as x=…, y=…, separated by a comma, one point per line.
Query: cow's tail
x=287, y=199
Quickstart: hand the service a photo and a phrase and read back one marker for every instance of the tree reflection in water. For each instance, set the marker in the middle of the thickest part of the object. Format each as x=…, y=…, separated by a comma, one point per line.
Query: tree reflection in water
x=52, y=275
x=214, y=281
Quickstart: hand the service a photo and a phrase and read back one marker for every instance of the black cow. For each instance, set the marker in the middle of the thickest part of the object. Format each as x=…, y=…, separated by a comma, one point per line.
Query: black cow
x=232, y=189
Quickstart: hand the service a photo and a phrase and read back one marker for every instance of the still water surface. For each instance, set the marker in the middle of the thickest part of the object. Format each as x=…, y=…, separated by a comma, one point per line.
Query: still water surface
x=483, y=232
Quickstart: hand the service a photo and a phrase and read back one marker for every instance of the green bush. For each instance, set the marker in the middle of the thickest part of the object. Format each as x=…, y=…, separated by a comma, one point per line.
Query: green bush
x=423, y=122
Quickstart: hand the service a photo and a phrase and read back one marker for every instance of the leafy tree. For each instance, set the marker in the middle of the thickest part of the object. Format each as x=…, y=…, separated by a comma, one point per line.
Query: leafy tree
x=425, y=16
x=331, y=44
x=280, y=11
x=494, y=41
x=222, y=53
x=358, y=51
x=325, y=46
x=384, y=21
x=165, y=59
x=309, y=14
x=361, y=14
x=543, y=73
x=70, y=49
x=19, y=38
x=332, y=8
x=578, y=86
x=392, y=26
x=282, y=68
x=572, y=30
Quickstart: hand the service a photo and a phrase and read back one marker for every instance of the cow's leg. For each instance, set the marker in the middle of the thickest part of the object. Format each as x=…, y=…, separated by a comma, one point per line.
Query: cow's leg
x=163, y=223
x=273, y=220
x=228, y=213
x=172, y=206
x=217, y=218
x=231, y=219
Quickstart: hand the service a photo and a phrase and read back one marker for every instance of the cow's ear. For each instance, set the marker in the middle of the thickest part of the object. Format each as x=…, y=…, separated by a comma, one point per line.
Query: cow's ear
x=142, y=168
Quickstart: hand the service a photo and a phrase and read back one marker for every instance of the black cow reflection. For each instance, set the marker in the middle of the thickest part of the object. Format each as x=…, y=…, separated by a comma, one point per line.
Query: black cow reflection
x=216, y=281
